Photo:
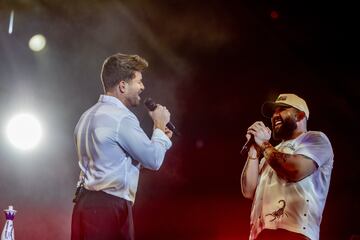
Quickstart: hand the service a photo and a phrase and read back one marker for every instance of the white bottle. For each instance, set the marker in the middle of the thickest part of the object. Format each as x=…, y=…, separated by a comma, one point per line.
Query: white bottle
x=8, y=231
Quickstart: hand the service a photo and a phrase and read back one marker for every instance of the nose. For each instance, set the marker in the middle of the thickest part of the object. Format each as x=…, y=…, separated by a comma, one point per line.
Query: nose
x=276, y=113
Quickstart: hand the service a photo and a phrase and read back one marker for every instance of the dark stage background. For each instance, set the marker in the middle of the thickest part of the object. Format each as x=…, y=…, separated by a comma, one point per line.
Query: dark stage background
x=212, y=63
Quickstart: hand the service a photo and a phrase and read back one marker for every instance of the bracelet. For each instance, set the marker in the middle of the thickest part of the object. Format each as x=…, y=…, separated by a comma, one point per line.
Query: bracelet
x=252, y=158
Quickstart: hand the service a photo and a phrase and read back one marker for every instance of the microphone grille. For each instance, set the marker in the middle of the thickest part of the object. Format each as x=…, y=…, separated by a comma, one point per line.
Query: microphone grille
x=150, y=104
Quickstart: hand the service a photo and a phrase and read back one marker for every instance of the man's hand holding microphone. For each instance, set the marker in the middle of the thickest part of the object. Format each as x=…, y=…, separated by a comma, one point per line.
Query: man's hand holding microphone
x=161, y=116
x=256, y=135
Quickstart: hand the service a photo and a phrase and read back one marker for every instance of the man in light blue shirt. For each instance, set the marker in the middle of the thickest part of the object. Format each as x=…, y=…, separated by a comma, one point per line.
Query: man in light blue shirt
x=111, y=148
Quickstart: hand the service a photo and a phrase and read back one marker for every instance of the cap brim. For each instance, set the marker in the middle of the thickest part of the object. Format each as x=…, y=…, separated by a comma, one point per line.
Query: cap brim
x=268, y=108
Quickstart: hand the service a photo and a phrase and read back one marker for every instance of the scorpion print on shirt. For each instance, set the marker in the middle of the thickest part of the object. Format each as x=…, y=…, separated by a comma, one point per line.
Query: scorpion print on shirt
x=277, y=214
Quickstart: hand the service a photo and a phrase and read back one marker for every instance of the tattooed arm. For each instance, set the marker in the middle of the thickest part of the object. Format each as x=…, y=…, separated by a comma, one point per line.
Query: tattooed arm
x=291, y=167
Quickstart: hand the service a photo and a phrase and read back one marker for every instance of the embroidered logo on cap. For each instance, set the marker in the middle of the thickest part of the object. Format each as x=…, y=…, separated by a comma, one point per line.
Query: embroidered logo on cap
x=281, y=98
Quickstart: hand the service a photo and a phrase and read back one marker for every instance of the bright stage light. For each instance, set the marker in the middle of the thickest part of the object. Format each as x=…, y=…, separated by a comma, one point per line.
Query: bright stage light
x=24, y=131
x=37, y=42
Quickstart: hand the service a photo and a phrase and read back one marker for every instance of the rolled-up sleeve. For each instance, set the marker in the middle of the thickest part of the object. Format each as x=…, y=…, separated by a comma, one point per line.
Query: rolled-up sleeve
x=149, y=152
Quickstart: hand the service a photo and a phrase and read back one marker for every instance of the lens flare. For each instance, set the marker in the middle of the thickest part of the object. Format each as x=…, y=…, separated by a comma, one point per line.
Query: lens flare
x=37, y=42
x=24, y=131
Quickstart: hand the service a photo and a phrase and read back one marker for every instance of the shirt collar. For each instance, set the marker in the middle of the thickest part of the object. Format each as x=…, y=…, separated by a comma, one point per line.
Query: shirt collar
x=110, y=99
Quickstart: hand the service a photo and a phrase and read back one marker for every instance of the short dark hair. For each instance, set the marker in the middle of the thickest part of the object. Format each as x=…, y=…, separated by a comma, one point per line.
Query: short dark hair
x=120, y=67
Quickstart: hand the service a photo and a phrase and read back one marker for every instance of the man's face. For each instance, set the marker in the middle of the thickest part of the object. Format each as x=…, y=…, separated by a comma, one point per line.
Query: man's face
x=283, y=123
x=133, y=90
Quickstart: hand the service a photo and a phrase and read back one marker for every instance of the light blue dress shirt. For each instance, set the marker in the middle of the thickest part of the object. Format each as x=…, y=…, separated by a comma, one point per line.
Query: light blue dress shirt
x=107, y=137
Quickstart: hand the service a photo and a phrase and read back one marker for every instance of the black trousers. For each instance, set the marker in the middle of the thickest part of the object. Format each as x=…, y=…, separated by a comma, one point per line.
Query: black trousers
x=99, y=216
x=280, y=234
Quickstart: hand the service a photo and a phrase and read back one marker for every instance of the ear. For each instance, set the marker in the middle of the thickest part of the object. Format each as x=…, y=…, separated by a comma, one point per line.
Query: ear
x=122, y=86
x=300, y=115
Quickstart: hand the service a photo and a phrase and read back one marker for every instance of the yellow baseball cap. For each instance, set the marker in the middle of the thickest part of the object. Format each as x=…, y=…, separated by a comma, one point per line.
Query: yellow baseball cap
x=286, y=100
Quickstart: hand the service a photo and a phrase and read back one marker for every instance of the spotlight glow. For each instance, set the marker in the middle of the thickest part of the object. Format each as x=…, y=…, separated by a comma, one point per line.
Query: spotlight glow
x=24, y=131
x=37, y=42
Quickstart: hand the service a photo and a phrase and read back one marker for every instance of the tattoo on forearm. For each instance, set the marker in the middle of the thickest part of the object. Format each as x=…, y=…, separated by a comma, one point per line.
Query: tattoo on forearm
x=275, y=158
x=280, y=157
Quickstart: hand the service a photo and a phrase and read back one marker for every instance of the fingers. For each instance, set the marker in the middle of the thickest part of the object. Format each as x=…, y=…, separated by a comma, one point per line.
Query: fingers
x=258, y=128
x=160, y=116
x=168, y=132
x=162, y=108
x=259, y=124
x=268, y=130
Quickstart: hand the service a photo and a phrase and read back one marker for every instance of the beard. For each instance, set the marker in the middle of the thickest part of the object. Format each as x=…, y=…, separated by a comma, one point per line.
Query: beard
x=134, y=100
x=286, y=130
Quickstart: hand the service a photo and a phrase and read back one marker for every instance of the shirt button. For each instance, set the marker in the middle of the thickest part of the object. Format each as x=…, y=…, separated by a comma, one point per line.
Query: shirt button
x=304, y=228
x=305, y=214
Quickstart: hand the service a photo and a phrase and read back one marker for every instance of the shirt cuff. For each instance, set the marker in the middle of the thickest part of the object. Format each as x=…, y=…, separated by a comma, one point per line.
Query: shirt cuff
x=159, y=136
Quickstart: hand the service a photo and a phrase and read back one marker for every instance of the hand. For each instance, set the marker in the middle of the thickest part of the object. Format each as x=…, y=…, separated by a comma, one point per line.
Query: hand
x=168, y=132
x=254, y=150
x=260, y=132
x=160, y=116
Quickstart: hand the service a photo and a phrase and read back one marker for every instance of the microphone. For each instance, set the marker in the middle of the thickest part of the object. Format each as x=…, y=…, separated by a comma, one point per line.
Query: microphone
x=151, y=105
x=245, y=149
